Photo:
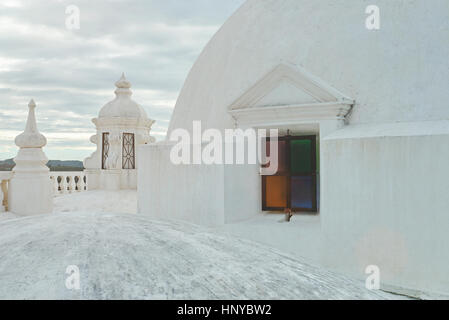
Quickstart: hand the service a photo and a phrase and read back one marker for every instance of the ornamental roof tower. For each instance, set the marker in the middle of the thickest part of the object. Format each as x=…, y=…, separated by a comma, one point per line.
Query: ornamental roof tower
x=122, y=125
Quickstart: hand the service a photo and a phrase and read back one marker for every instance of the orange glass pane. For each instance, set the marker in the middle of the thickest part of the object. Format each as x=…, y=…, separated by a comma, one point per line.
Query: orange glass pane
x=276, y=192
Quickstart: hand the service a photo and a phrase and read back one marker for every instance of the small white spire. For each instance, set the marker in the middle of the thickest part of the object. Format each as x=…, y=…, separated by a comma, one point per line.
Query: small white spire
x=31, y=137
x=123, y=83
x=32, y=191
x=123, y=86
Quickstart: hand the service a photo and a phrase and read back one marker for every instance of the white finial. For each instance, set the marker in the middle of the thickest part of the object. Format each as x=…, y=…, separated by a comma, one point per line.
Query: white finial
x=123, y=86
x=33, y=192
x=31, y=137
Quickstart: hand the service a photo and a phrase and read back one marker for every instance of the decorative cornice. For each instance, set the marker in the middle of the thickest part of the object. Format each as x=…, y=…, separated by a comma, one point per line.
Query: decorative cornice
x=138, y=123
x=294, y=75
x=277, y=115
x=328, y=103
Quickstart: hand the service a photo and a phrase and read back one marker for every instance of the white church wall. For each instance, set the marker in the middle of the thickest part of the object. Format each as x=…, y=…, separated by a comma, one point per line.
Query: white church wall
x=110, y=179
x=387, y=204
x=242, y=192
x=128, y=179
x=209, y=195
x=193, y=193
x=93, y=177
x=367, y=183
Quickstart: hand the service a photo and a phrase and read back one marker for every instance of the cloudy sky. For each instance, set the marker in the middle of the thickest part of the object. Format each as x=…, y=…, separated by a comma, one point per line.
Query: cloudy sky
x=71, y=73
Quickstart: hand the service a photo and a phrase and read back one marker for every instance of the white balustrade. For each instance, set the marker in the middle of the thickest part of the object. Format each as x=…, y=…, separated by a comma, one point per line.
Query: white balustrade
x=5, y=177
x=63, y=183
x=68, y=182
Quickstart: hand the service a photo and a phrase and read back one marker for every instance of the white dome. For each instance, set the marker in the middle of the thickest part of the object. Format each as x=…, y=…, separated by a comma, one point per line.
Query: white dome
x=123, y=106
x=126, y=256
x=397, y=73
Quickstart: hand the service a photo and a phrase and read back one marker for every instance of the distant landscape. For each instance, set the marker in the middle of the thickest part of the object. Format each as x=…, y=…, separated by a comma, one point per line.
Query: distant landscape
x=54, y=165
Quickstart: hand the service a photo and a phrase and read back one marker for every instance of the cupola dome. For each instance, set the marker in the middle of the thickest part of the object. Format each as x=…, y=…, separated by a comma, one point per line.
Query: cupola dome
x=123, y=106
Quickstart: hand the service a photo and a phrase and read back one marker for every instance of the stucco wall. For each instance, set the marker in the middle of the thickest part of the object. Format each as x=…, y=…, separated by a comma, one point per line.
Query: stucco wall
x=242, y=186
x=384, y=200
x=165, y=191
x=387, y=204
x=209, y=195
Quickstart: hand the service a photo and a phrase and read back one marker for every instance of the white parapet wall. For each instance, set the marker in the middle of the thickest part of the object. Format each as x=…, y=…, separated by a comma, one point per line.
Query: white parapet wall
x=387, y=203
x=209, y=195
x=111, y=179
x=63, y=182
x=164, y=189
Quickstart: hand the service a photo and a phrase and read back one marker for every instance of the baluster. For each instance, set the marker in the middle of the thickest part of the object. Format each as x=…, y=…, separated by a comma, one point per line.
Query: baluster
x=81, y=183
x=63, y=185
x=55, y=184
x=4, y=187
x=71, y=180
x=77, y=183
x=73, y=184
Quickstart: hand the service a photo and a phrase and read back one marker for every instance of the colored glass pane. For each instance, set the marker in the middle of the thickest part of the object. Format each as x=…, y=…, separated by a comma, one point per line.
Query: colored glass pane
x=301, y=156
x=302, y=191
x=276, y=191
x=282, y=163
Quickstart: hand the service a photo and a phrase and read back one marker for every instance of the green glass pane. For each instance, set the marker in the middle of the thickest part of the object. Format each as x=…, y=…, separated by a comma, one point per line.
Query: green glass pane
x=301, y=156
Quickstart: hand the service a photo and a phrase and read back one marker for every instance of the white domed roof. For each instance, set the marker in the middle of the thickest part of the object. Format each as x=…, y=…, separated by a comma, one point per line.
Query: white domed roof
x=397, y=73
x=123, y=106
x=127, y=256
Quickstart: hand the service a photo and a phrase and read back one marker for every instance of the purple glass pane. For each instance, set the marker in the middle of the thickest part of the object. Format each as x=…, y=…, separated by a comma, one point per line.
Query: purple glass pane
x=302, y=191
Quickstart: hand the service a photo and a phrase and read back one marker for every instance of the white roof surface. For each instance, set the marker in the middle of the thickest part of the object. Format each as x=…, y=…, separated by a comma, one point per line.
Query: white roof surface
x=127, y=256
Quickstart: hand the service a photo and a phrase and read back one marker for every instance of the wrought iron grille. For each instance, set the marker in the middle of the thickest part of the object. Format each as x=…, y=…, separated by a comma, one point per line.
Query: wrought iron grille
x=105, y=150
x=128, y=154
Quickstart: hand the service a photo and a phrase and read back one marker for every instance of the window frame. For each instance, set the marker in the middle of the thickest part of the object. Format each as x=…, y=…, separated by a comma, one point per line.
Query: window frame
x=104, y=151
x=288, y=174
x=132, y=153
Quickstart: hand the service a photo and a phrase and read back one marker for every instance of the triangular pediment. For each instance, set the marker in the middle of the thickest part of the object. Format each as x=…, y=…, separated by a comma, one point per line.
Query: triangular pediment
x=285, y=93
x=287, y=85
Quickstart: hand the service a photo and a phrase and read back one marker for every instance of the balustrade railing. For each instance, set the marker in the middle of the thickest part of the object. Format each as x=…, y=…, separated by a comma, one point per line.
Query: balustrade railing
x=63, y=183
x=68, y=182
x=5, y=177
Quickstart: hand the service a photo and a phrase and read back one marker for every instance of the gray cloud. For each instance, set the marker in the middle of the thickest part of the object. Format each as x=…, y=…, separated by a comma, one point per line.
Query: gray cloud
x=71, y=74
